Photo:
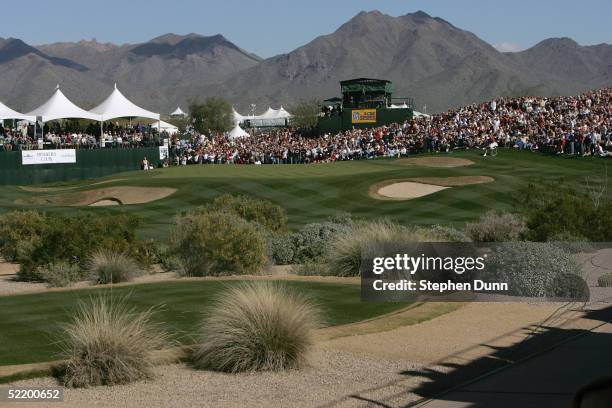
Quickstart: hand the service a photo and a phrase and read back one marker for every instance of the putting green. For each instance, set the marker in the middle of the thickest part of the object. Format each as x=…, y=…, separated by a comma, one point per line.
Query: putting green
x=313, y=192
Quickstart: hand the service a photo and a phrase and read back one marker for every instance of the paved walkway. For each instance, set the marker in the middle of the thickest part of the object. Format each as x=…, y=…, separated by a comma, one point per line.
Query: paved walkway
x=548, y=380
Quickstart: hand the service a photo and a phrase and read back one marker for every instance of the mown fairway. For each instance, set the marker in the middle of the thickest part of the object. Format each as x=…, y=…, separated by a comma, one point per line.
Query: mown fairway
x=311, y=193
x=29, y=324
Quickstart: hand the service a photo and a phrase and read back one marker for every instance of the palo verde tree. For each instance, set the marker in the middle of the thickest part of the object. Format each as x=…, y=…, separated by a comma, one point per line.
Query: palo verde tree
x=305, y=113
x=214, y=114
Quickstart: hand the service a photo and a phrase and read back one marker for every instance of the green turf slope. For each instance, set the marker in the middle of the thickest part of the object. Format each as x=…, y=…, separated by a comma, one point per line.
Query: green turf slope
x=311, y=193
x=29, y=324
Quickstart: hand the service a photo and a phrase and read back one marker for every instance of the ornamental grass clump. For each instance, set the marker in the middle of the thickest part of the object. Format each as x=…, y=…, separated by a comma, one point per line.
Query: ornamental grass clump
x=366, y=240
x=257, y=326
x=106, y=266
x=605, y=280
x=109, y=343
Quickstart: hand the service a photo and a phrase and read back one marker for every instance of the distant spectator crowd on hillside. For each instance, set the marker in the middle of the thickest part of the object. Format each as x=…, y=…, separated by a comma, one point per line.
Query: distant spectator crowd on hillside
x=573, y=125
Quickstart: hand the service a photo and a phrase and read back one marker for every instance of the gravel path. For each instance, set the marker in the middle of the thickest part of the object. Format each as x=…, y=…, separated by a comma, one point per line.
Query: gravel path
x=331, y=377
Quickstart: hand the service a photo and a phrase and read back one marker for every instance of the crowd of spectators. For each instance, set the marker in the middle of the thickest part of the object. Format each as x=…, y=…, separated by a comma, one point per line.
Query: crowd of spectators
x=23, y=139
x=573, y=125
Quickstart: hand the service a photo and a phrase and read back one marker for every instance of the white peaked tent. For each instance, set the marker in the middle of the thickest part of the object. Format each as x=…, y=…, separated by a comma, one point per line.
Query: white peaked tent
x=179, y=112
x=165, y=126
x=237, y=117
x=282, y=113
x=60, y=107
x=118, y=106
x=8, y=113
x=237, y=132
x=269, y=114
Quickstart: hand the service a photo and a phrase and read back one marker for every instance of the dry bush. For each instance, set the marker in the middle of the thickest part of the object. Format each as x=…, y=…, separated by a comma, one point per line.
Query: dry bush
x=217, y=244
x=109, y=343
x=106, y=266
x=495, y=226
x=257, y=326
x=61, y=273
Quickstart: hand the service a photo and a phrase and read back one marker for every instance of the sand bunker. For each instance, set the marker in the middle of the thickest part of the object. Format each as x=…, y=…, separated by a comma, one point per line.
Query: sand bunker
x=436, y=161
x=103, y=196
x=106, y=202
x=404, y=190
x=454, y=181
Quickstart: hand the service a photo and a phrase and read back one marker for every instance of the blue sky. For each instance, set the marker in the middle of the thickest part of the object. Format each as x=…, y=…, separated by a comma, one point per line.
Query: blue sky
x=276, y=26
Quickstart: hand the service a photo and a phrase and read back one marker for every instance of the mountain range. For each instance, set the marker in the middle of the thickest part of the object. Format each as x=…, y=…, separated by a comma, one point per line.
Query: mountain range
x=427, y=58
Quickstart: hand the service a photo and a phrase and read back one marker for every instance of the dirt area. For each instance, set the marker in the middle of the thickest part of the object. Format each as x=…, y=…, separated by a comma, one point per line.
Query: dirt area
x=402, y=190
x=117, y=195
x=51, y=189
x=8, y=268
x=10, y=286
x=435, y=162
x=454, y=181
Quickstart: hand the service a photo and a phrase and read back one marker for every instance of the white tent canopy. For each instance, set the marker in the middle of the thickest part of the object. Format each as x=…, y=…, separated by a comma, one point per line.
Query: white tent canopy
x=178, y=112
x=237, y=132
x=60, y=107
x=165, y=126
x=118, y=106
x=419, y=114
x=237, y=117
x=282, y=113
x=269, y=114
x=8, y=113
x=271, y=117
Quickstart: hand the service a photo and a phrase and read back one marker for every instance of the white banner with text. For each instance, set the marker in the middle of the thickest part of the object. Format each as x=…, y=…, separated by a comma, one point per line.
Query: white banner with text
x=48, y=156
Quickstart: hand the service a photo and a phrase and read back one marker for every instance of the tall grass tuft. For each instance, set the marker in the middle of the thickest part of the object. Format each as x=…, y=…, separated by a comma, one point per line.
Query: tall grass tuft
x=257, y=326
x=109, y=343
x=370, y=239
x=113, y=267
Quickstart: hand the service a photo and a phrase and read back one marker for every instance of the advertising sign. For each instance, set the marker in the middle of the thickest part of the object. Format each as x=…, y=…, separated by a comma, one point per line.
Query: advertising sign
x=48, y=156
x=364, y=116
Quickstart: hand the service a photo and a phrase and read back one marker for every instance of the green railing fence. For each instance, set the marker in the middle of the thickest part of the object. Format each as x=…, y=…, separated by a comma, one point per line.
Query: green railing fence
x=89, y=164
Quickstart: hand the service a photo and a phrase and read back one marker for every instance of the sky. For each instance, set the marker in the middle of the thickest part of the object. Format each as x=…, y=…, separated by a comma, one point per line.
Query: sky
x=272, y=27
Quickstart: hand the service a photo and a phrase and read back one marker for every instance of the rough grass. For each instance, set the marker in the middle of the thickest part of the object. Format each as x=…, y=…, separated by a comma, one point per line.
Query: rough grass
x=109, y=343
x=257, y=326
x=113, y=267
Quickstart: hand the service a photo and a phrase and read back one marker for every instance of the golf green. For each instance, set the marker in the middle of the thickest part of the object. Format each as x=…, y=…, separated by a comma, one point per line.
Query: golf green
x=313, y=192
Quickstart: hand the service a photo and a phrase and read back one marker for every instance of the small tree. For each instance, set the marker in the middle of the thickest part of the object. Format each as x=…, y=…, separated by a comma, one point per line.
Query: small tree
x=305, y=113
x=214, y=114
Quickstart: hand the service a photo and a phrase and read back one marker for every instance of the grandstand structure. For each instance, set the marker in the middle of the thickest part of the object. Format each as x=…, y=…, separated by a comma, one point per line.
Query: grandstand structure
x=365, y=103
